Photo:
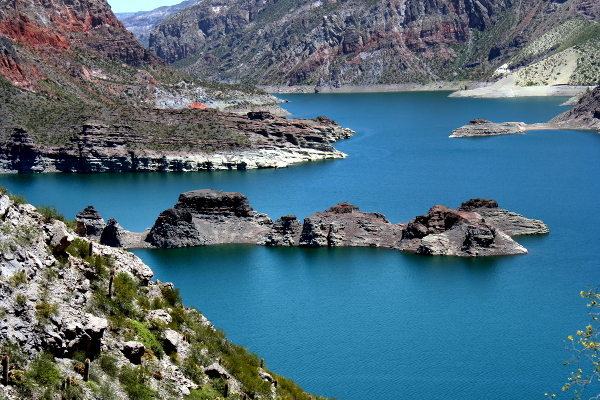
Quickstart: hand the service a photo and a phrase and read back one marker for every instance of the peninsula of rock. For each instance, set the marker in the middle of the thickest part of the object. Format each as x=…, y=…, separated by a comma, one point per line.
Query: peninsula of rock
x=585, y=115
x=209, y=217
x=258, y=139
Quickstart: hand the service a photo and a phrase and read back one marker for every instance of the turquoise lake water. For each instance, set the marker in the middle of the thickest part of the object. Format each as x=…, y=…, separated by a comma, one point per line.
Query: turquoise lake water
x=355, y=323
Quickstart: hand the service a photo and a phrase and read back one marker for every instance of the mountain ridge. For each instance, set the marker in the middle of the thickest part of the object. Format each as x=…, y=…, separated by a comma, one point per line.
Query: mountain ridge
x=335, y=43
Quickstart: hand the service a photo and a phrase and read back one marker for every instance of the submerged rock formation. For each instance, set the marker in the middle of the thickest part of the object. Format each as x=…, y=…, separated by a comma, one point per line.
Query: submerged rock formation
x=206, y=217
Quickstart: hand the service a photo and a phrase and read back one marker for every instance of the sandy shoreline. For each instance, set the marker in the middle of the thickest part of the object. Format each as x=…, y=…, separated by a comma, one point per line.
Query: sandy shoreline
x=502, y=88
x=400, y=87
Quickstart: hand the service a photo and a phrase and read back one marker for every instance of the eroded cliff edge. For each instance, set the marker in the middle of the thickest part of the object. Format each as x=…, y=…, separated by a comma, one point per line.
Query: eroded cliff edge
x=199, y=140
x=209, y=217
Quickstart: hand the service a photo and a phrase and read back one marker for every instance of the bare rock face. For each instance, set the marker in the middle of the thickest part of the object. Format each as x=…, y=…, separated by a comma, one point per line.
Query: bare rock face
x=349, y=43
x=205, y=217
x=477, y=228
x=482, y=127
x=345, y=225
x=90, y=223
x=585, y=114
x=511, y=223
x=286, y=232
x=113, y=235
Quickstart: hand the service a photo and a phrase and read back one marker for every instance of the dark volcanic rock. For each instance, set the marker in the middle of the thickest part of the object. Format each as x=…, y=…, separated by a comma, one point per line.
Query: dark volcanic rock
x=205, y=217
x=477, y=228
x=89, y=223
x=345, y=225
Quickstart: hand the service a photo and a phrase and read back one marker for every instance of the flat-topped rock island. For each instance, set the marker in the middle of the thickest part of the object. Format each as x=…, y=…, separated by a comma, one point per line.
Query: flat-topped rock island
x=479, y=227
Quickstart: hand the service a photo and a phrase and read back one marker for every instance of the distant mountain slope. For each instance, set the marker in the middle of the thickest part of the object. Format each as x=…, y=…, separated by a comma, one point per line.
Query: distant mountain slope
x=142, y=22
x=289, y=42
x=78, y=93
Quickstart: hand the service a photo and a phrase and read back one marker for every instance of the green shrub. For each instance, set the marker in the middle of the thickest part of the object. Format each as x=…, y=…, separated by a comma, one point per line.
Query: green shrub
x=43, y=371
x=45, y=310
x=133, y=380
x=108, y=364
x=147, y=337
x=171, y=296
x=17, y=199
x=79, y=248
x=18, y=279
x=50, y=213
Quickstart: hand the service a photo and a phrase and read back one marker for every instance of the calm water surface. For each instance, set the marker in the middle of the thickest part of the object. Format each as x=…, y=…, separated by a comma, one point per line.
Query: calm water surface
x=380, y=324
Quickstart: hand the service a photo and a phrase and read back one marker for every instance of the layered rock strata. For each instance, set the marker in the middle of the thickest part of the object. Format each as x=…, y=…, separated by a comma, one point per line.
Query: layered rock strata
x=257, y=140
x=207, y=217
x=482, y=127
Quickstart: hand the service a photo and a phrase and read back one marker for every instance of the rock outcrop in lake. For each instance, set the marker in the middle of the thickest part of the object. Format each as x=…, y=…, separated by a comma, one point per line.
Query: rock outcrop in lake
x=207, y=217
x=65, y=299
x=585, y=115
x=482, y=127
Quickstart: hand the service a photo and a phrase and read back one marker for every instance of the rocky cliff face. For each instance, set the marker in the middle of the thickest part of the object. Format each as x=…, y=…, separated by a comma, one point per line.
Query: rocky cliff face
x=585, y=114
x=477, y=228
x=175, y=140
x=79, y=93
x=321, y=42
x=84, y=320
x=331, y=43
x=142, y=22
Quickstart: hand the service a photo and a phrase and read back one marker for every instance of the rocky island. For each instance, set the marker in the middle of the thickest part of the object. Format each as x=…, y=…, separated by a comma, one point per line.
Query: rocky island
x=209, y=217
x=81, y=320
x=585, y=115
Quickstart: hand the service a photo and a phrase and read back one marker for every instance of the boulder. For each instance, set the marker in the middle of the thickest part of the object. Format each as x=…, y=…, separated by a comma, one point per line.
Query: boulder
x=113, y=235
x=133, y=351
x=171, y=341
x=59, y=237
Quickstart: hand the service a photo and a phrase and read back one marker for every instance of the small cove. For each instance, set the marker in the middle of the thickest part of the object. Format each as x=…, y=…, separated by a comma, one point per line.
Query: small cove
x=373, y=323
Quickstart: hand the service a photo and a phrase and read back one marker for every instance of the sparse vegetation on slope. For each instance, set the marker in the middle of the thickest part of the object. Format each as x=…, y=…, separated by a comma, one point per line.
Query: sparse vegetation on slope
x=87, y=322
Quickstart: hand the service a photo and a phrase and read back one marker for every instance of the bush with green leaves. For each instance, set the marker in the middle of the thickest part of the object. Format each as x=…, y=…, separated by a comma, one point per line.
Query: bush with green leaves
x=134, y=380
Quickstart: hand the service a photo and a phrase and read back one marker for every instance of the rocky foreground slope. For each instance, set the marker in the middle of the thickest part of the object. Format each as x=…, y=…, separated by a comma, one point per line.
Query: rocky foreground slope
x=208, y=217
x=80, y=320
x=336, y=43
